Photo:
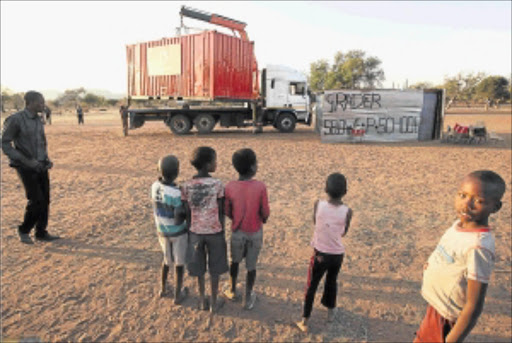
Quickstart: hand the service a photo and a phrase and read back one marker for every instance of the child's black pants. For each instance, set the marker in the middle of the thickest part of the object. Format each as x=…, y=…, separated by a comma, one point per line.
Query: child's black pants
x=320, y=264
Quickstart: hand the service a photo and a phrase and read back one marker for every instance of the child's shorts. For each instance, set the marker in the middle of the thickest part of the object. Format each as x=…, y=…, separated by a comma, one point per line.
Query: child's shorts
x=174, y=249
x=212, y=247
x=433, y=328
x=248, y=246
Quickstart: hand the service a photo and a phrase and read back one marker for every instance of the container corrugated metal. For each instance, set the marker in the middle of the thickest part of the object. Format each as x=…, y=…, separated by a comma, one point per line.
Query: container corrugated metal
x=205, y=66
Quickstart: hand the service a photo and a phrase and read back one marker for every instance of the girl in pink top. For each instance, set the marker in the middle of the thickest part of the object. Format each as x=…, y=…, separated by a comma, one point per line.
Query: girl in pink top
x=332, y=220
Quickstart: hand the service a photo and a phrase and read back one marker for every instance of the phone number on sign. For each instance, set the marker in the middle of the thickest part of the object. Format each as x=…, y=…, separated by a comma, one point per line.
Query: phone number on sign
x=382, y=125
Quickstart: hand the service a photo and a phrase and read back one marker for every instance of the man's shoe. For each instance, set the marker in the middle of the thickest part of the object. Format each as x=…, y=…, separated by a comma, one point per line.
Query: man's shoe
x=47, y=238
x=25, y=238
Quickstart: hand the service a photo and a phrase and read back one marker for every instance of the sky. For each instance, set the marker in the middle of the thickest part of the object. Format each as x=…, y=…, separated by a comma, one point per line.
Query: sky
x=69, y=44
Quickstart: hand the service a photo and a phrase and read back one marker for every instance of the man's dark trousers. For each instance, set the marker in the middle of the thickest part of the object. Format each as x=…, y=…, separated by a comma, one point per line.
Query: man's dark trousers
x=37, y=190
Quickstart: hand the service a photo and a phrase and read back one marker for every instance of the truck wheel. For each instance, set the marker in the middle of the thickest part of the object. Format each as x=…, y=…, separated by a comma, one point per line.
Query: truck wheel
x=204, y=123
x=286, y=122
x=180, y=124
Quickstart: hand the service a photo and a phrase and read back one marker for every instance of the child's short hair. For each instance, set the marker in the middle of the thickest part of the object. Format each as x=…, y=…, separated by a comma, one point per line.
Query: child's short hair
x=336, y=185
x=169, y=167
x=492, y=179
x=243, y=160
x=202, y=156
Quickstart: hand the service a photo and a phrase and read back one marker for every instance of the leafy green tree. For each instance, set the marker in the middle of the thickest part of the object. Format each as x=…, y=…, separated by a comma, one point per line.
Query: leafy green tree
x=493, y=88
x=318, y=74
x=350, y=70
x=373, y=74
x=353, y=68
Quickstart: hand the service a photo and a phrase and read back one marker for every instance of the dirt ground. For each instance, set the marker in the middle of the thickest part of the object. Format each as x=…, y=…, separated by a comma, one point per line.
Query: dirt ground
x=100, y=281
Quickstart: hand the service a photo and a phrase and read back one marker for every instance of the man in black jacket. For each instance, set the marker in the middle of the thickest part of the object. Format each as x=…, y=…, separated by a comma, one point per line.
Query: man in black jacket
x=24, y=142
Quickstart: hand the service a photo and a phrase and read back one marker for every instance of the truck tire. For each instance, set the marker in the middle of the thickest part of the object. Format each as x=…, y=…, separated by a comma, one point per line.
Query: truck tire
x=286, y=122
x=204, y=123
x=180, y=124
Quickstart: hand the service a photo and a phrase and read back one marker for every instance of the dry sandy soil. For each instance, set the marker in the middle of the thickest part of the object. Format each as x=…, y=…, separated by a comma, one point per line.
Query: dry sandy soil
x=100, y=281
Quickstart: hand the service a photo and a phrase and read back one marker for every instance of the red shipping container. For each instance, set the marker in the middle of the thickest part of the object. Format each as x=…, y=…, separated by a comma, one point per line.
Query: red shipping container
x=205, y=66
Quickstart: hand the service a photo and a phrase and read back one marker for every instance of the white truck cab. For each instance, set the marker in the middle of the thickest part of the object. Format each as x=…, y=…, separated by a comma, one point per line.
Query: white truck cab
x=286, y=90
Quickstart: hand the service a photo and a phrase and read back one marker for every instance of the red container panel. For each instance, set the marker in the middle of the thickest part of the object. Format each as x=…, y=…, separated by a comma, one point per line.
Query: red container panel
x=205, y=66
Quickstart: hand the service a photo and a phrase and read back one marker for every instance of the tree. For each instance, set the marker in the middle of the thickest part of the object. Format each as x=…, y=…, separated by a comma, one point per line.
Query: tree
x=112, y=102
x=493, y=88
x=94, y=100
x=12, y=100
x=462, y=86
x=6, y=98
x=70, y=97
x=351, y=70
x=18, y=101
x=421, y=85
x=373, y=74
x=318, y=74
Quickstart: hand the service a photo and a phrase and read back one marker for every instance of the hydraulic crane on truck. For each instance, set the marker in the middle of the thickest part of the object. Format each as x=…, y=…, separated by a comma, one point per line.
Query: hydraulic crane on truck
x=216, y=19
x=232, y=24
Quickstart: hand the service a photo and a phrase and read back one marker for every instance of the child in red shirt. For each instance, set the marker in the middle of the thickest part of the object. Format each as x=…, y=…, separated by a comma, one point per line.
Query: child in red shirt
x=246, y=204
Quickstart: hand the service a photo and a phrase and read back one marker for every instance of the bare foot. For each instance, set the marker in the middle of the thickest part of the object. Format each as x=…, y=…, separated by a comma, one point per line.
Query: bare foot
x=230, y=294
x=303, y=326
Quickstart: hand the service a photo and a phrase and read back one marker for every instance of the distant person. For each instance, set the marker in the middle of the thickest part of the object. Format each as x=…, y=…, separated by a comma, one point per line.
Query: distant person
x=457, y=273
x=332, y=220
x=203, y=197
x=48, y=115
x=169, y=217
x=246, y=204
x=24, y=143
x=123, y=111
x=487, y=104
x=80, y=114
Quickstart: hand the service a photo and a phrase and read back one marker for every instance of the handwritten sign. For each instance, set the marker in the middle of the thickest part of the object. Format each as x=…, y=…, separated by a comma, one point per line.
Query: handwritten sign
x=378, y=116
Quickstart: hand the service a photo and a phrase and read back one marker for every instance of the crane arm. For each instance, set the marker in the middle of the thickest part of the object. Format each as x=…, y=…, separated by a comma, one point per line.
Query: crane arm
x=216, y=19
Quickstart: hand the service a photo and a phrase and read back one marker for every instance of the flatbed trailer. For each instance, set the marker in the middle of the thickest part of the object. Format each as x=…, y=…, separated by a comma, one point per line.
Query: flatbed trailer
x=181, y=120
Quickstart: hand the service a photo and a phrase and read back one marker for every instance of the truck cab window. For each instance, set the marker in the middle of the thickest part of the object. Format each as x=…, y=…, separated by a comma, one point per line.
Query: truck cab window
x=297, y=88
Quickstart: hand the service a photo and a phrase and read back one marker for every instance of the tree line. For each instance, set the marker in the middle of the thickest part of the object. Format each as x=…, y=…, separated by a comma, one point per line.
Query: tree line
x=350, y=70
x=355, y=70
x=69, y=99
